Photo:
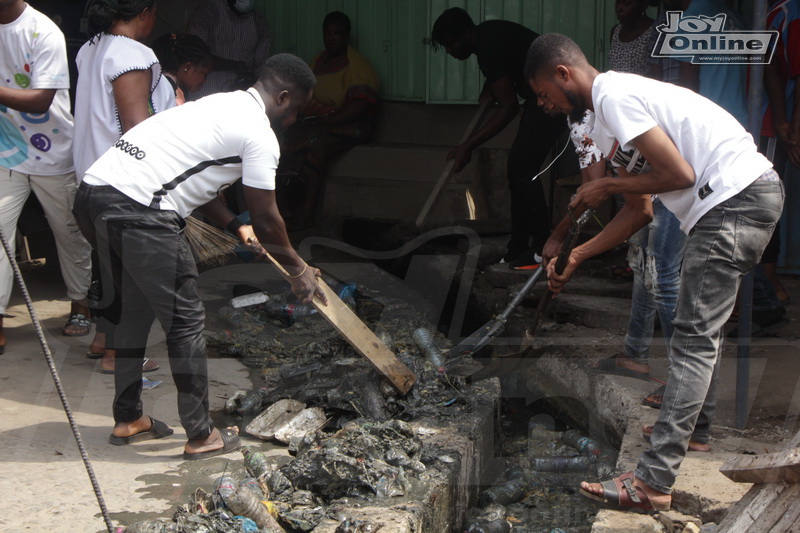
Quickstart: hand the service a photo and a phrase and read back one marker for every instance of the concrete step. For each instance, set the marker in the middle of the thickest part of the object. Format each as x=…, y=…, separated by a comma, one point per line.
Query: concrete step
x=592, y=311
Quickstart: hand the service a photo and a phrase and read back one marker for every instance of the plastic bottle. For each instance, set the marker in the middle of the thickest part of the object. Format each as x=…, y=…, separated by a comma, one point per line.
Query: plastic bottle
x=253, y=486
x=243, y=502
x=424, y=340
x=578, y=463
x=232, y=317
x=251, y=403
x=585, y=445
x=226, y=486
x=288, y=312
x=509, y=492
x=255, y=462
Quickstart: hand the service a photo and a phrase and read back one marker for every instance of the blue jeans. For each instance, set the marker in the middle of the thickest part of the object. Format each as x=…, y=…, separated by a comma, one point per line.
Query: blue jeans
x=655, y=253
x=148, y=272
x=725, y=244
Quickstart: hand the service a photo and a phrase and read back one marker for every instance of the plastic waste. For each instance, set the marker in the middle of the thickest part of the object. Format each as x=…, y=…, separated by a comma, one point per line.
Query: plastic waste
x=232, y=317
x=585, y=445
x=226, y=486
x=152, y=526
x=255, y=462
x=578, y=463
x=243, y=502
x=253, y=486
x=251, y=403
x=148, y=384
x=424, y=340
x=509, y=492
x=288, y=312
x=484, y=526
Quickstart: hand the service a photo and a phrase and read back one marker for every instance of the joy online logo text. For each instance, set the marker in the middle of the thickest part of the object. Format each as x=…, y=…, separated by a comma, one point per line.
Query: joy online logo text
x=705, y=40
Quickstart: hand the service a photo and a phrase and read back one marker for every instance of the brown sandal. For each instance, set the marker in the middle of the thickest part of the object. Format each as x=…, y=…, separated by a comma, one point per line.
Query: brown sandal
x=621, y=492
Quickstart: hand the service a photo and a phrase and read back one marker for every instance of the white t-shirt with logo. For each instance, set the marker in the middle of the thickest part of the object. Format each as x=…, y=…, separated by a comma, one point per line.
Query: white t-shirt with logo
x=33, y=55
x=101, y=61
x=180, y=159
x=724, y=158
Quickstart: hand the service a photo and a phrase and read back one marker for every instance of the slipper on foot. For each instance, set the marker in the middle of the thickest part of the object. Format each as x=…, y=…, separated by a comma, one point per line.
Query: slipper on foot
x=77, y=320
x=158, y=430
x=694, y=445
x=622, y=493
x=147, y=366
x=655, y=398
x=231, y=443
x=610, y=366
x=94, y=355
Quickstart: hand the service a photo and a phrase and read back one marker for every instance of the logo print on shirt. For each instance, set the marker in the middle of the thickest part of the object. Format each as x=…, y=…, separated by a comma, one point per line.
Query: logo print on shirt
x=130, y=149
x=704, y=191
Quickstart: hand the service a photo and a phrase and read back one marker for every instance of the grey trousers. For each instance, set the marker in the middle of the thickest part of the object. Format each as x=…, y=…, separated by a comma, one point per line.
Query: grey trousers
x=725, y=244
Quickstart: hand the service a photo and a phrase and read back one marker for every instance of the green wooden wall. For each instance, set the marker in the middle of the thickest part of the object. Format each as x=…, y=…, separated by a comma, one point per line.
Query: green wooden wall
x=394, y=35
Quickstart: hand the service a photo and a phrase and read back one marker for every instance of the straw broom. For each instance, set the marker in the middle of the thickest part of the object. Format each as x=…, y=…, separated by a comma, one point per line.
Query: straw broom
x=211, y=245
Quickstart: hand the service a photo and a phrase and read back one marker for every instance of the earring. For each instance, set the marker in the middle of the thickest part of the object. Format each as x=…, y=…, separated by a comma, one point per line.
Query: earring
x=186, y=69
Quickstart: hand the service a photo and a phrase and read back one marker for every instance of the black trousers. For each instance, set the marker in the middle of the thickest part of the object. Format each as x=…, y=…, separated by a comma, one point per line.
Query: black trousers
x=530, y=224
x=147, y=272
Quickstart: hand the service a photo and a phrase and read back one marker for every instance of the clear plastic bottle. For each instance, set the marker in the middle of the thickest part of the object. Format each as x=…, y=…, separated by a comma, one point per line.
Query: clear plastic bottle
x=232, y=317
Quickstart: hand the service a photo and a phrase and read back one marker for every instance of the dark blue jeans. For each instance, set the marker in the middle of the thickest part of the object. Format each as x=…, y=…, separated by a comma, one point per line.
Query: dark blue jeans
x=725, y=244
x=147, y=272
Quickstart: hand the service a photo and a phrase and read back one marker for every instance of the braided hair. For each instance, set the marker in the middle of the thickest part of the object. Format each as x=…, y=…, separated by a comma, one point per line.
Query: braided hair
x=173, y=50
x=103, y=13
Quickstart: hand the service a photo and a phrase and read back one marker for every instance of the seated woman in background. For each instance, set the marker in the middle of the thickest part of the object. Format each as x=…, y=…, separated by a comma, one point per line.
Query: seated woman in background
x=340, y=115
x=186, y=61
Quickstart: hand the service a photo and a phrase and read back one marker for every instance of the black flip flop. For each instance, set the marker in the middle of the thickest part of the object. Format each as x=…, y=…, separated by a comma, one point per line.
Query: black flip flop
x=158, y=430
x=231, y=443
x=609, y=366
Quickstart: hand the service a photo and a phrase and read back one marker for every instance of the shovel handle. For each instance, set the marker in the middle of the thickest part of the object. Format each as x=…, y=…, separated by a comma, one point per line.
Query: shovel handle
x=572, y=239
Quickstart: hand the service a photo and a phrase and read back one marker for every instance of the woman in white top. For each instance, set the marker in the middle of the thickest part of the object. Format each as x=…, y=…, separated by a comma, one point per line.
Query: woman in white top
x=119, y=85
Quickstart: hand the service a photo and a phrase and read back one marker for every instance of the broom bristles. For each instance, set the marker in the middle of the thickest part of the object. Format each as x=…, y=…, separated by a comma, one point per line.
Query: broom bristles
x=210, y=245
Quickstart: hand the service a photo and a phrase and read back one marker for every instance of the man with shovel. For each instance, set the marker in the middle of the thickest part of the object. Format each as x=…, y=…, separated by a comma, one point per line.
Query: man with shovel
x=131, y=206
x=707, y=171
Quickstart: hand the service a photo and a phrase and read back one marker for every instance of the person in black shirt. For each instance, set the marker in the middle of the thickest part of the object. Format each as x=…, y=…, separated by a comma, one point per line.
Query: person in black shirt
x=501, y=48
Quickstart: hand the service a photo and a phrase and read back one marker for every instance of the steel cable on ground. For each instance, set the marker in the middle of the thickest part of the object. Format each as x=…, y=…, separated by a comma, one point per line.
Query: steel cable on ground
x=57, y=381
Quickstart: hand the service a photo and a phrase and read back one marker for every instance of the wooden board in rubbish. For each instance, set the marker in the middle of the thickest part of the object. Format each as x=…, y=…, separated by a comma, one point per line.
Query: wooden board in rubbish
x=364, y=340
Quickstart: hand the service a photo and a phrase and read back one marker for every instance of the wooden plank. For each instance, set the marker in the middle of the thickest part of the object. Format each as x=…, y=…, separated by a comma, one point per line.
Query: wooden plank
x=790, y=517
x=364, y=340
x=746, y=519
x=777, y=467
x=359, y=336
x=448, y=169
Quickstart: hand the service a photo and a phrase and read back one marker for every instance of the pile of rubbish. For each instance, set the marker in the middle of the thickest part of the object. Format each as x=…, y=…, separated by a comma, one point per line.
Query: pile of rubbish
x=367, y=461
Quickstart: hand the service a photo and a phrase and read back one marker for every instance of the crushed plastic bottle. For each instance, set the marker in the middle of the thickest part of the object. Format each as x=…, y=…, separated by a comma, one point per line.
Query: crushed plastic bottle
x=253, y=486
x=424, y=340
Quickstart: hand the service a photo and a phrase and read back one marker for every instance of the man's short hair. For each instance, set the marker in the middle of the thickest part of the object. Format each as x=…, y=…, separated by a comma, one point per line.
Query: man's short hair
x=337, y=17
x=550, y=50
x=450, y=26
x=287, y=71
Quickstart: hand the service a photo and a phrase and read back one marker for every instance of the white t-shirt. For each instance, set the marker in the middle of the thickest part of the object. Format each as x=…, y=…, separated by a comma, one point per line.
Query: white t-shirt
x=180, y=159
x=724, y=158
x=101, y=61
x=33, y=55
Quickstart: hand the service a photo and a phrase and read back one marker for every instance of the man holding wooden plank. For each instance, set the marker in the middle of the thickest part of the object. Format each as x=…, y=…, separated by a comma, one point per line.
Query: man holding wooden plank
x=500, y=47
x=131, y=206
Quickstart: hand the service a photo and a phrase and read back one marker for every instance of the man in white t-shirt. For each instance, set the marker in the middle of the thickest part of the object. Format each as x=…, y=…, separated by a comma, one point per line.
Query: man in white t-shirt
x=131, y=206
x=707, y=171
x=36, y=149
